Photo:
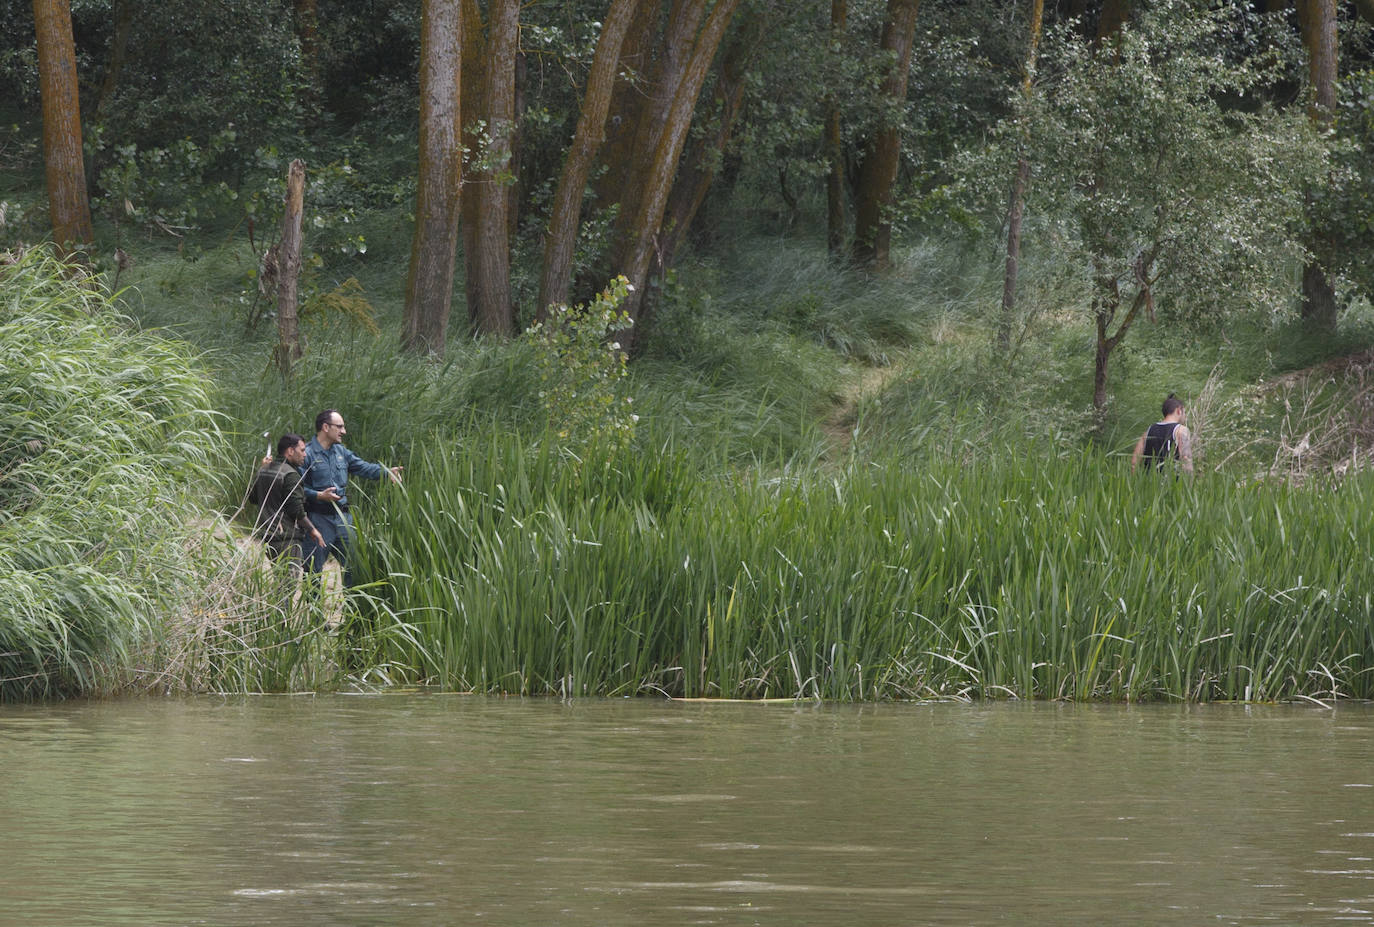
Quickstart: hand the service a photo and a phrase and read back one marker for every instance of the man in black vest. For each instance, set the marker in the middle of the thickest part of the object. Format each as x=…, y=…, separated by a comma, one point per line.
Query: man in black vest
x=282, y=522
x=1166, y=439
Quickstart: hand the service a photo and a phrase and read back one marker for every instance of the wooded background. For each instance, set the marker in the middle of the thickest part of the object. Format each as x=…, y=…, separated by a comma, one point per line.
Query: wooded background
x=554, y=145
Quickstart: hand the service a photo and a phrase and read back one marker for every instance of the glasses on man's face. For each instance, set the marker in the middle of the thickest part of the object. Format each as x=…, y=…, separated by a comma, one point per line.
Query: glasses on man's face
x=336, y=424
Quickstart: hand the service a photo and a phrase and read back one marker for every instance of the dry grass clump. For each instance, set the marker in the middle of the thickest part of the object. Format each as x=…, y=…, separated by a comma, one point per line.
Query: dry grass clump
x=1299, y=426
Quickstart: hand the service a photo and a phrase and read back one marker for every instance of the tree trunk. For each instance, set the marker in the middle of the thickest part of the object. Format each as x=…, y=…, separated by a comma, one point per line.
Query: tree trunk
x=637, y=245
x=517, y=145
x=1107, y=303
x=1018, y=194
x=1318, y=18
x=307, y=20
x=706, y=153
x=289, y=270
x=561, y=239
x=429, y=284
x=1103, y=352
x=68, y=206
x=674, y=55
x=1318, y=21
x=1114, y=16
x=488, y=90
x=1318, y=297
x=878, y=172
x=836, y=218
x=1007, y=321
x=119, y=52
x=628, y=101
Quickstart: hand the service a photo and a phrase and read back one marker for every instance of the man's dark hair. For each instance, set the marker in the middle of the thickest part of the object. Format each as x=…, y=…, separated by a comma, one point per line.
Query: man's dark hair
x=323, y=418
x=286, y=442
x=1172, y=405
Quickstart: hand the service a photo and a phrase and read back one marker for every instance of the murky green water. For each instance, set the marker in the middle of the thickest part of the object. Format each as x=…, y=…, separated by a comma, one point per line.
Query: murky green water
x=427, y=809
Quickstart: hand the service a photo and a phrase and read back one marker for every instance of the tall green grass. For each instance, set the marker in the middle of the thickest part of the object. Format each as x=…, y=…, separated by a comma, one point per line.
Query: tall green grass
x=107, y=438
x=1020, y=576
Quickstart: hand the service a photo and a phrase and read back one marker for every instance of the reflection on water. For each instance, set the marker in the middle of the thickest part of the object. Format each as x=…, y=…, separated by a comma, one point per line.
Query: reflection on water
x=438, y=809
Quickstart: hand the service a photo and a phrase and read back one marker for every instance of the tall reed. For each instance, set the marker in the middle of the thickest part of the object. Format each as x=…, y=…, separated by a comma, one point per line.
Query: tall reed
x=1023, y=576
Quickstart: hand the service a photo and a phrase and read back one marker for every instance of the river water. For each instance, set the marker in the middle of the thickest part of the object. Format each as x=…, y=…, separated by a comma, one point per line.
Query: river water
x=441, y=809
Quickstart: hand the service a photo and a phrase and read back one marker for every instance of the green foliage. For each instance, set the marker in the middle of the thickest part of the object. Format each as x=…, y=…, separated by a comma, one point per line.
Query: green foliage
x=1172, y=201
x=581, y=373
x=108, y=436
x=1159, y=183
x=1343, y=207
x=194, y=71
x=962, y=62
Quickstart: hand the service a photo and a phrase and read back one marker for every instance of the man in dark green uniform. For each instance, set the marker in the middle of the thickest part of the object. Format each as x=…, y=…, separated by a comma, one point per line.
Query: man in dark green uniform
x=282, y=523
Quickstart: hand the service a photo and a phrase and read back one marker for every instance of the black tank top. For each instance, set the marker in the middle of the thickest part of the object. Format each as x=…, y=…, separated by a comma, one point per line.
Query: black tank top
x=1159, y=444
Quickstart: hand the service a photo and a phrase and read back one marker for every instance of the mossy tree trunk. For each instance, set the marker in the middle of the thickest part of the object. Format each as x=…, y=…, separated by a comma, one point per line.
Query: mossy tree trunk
x=561, y=238
x=690, y=44
x=706, y=154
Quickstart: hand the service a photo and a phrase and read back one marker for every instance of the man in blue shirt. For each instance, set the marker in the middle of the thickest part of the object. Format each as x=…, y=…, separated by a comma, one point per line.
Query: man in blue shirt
x=324, y=477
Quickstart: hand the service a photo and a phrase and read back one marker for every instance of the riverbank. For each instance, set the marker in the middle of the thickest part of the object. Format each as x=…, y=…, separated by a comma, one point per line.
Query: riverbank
x=806, y=508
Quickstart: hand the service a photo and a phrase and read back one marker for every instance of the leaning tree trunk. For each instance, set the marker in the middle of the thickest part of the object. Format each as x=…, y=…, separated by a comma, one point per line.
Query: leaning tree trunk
x=637, y=244
x=629, y=100
x=657, y=95
x=561, y=239
x=289, y=271
x=68, y=206
x=1018, y=195
x=488, y=90
x=703, y=158
x=1318, y=19
x=878, y=171
x=429, y=284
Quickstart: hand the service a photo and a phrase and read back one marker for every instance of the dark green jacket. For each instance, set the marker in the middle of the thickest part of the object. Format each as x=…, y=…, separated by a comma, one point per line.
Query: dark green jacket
x=281, y=513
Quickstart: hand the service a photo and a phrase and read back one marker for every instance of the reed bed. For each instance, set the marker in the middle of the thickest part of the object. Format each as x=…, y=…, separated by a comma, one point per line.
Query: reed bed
x=1021, y=577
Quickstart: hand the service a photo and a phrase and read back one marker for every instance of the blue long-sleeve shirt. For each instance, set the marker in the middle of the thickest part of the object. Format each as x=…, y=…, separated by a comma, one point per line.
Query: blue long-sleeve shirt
x=325, y=468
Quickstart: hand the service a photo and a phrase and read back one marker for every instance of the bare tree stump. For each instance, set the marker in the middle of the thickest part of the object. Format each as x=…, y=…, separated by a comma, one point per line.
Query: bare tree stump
x=289, y=271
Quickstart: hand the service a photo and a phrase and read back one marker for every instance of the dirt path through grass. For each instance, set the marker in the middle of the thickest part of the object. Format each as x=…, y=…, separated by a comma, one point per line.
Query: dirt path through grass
x=860, y=385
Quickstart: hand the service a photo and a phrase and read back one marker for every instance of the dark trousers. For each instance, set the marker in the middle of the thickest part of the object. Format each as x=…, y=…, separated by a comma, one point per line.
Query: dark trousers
x=337, y=531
